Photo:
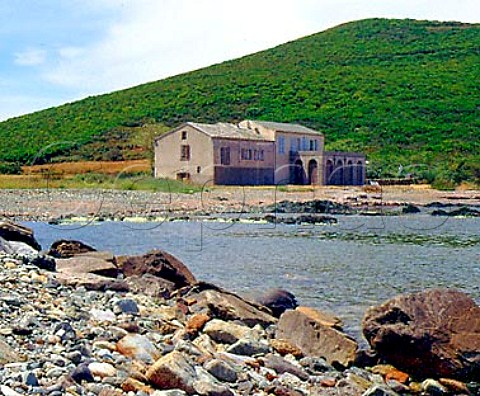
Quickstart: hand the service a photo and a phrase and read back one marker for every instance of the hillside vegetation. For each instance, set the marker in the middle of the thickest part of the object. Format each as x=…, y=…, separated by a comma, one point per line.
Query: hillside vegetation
x=405, y=92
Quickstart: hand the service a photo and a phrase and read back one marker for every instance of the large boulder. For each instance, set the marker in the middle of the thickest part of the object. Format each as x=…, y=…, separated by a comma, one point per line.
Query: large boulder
x=68, y=248
x=317, y=334
x=435, y=333
x=158, y=263
x=11, y=231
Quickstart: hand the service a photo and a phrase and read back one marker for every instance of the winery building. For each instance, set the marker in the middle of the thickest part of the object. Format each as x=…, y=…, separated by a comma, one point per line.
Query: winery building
x=254, y=153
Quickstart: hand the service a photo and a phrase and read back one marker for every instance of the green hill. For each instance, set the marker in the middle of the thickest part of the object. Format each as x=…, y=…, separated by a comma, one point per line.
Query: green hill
x=406, y=92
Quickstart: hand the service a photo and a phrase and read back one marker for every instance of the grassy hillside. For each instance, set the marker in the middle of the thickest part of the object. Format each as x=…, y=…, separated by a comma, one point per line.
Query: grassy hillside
x=405, y=92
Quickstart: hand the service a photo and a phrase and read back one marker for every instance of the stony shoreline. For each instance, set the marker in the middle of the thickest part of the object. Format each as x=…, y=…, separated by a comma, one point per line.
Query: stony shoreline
x=58, y=205
x=80, y=322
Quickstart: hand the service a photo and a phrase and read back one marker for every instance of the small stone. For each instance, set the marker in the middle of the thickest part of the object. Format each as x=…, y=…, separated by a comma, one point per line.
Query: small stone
x=30, y=379
x=65, y=331
x=196, y=323
x=127, y=305
x=82, y=373
x=285, y=347
x=102, y=370
x=248, y=347
x=7, y=391
x=138, y=347
x=100, y=315
x=379, y=390
x=205, y=388
x=454, y=385
x=133, y=385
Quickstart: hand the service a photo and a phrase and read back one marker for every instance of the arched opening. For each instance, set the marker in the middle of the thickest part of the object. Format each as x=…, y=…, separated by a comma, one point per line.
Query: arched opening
x=313, y=172
x=350, y=174
x=339, y=173
x=298, y=174
x=328, y=172
x=360, y=181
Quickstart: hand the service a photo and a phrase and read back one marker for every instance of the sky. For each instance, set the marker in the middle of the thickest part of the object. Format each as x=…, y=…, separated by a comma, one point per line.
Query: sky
x=58, y=51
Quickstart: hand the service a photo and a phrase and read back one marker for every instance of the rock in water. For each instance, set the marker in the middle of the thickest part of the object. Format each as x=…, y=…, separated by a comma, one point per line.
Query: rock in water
x=68, y=248
x=278, y=301
x=14, y=232
x=435, y=333
x=157, y=263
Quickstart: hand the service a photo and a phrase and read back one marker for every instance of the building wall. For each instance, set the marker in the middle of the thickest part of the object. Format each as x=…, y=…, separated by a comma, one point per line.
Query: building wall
x=250, y=162
x=168, y=164
x=344, y=168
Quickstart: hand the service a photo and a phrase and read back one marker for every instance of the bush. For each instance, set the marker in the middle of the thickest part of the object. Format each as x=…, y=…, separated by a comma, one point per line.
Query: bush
x=10, y=168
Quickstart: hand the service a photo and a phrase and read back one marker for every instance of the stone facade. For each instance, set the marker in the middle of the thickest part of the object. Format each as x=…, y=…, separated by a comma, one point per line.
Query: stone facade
x=253, y=153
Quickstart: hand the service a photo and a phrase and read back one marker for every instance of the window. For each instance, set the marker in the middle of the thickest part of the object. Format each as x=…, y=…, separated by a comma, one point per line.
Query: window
x=312, y=145
x=261, y=155
x=293, y=145
x=185, y=153
x=225, y=155
x=255, y=155
x=184, y=135
x=316, y=144
x=304, y=144
x=281, y=145
x=199, y=169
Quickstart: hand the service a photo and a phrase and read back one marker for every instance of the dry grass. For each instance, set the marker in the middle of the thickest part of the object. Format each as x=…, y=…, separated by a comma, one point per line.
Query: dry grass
x=76, y=168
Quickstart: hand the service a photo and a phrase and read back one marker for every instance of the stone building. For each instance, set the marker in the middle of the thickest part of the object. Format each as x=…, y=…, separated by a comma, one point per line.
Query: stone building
x=253, y=153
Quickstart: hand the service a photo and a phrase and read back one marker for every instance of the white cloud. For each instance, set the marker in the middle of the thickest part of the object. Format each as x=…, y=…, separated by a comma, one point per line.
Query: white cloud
x=30, y=57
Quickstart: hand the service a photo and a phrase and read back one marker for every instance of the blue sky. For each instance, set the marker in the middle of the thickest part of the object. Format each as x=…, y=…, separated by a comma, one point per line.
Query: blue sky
x=56, y=51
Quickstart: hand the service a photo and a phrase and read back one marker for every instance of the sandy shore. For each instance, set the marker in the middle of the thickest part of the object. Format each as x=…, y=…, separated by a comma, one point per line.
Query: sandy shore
x=54, y=204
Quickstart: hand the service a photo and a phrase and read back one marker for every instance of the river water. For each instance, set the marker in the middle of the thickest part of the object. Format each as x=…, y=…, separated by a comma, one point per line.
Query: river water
x=341, y=268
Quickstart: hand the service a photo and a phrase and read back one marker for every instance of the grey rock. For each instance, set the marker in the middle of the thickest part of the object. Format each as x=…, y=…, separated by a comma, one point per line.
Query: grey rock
x=379, y=390
x=248, y=347
x=205, y=388
x=221, y=370
x=281, y=365
x=225, y=332
x=127, y=305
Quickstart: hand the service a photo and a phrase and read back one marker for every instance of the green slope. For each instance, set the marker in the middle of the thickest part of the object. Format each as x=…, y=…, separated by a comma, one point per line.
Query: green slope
x=405, y=92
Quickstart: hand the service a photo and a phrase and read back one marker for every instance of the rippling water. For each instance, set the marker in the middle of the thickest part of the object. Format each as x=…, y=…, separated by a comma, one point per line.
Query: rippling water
x=342, y=268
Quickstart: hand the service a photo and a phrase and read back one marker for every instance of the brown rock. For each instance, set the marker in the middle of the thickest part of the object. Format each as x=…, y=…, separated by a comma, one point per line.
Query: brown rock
x=196, y=323
x=316, y=339
x=322, y=317
x=157, y=263
x=228, y=306
x=97, y=263
x=285, y=347
x=110, y=392
x=390, y=373
x=68, y=248
x=454, y=385
x=435, y=333
x=11, y=231
x=172, y=371
x=133, y=385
